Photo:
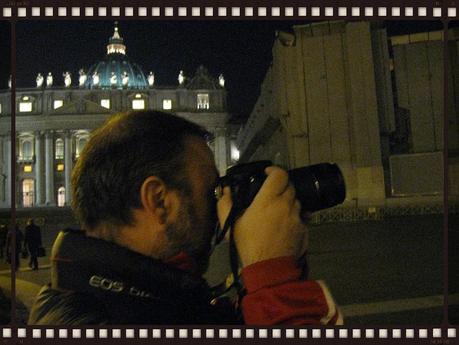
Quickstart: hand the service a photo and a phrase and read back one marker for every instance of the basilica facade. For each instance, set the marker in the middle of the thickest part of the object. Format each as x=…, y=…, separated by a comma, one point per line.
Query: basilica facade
x=54, y=122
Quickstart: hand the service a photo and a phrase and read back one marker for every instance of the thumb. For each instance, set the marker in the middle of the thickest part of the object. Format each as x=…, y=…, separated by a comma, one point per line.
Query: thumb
x=224, y=205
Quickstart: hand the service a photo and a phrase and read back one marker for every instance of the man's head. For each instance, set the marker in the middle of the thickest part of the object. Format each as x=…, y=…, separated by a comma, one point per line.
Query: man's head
x=144, y=180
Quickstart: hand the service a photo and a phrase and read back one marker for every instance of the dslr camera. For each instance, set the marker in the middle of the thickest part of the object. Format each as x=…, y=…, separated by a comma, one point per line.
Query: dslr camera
x=317, y=187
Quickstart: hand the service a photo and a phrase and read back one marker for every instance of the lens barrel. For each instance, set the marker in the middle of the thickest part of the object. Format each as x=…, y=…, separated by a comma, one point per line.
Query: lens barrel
x=318, y=186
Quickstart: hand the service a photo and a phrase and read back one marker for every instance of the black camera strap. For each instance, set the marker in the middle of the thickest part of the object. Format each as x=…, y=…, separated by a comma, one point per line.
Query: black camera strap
x=230, y=220
x=234, y=262
x=233, y=215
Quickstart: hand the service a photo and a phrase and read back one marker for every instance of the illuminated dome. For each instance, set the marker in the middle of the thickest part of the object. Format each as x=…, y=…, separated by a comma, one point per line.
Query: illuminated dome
x=115, y=71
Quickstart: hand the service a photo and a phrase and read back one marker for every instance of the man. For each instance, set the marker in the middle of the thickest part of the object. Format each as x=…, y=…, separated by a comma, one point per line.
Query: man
x=17, y=245
x=32, y=241
x=143, y=190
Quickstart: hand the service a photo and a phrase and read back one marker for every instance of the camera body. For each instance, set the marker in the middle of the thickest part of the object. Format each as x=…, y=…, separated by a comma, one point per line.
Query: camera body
x=317, y=186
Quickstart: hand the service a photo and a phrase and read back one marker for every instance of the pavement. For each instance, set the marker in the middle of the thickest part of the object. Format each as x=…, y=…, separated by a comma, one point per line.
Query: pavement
x=25, y=290
x=25, y=296
x=386, y=272
x=28, y=283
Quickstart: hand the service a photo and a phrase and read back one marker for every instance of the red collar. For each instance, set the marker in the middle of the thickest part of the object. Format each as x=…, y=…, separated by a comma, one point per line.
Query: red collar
x=183, y=261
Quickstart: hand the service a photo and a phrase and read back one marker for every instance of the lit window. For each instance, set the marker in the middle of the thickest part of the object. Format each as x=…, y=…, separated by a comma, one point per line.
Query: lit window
x=59, y=149
x=25, y=107
x=81, y=142
x=167, y=104
x=105, y=103
x=27, y=192
x=58, y=103
x=27, y=168
x=60, y=167
x=0, y=108
x=26, y=152
x=203, y=101
x=61, y=197
x=138, y=104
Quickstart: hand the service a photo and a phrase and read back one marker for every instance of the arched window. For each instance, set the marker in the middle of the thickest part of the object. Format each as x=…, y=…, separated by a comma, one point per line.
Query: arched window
x=59, y=152
x=61, y=196
x=27, y=150
x=203, y=101
x=28, y=192
x=81, y=142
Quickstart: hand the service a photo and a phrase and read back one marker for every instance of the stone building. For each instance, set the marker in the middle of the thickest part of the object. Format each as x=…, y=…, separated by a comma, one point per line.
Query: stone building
x=53, y=122
x=346, y=93
x=419, y=83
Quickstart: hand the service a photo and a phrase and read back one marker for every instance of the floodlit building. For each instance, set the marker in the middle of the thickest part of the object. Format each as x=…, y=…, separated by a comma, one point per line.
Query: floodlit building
x=55, y=119
x=346, y=93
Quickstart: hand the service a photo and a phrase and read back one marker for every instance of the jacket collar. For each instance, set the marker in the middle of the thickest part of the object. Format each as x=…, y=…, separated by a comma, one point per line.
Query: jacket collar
x=95, y=266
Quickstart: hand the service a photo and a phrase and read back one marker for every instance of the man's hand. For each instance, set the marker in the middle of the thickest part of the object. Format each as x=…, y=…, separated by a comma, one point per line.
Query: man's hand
x=271, y=226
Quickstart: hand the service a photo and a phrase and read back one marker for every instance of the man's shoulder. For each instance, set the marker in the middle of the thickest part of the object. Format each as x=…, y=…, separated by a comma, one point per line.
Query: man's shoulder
x=56, y=307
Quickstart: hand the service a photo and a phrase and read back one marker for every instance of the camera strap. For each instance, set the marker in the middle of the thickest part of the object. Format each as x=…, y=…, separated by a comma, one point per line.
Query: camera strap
x=234, y=261
x=230, y=220
x=233, y=255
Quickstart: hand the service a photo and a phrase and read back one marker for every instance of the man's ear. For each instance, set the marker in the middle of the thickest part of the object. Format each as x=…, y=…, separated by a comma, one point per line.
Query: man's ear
x=153, y=193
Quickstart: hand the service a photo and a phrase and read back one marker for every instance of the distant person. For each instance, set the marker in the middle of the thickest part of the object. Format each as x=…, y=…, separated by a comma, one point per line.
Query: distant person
x=32, y=242
x=3, y=232
x=10, y=244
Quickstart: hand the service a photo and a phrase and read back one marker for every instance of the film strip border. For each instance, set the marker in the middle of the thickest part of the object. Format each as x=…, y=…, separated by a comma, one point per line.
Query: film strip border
x=314, y=12
x=230, y=333
x=229, y=12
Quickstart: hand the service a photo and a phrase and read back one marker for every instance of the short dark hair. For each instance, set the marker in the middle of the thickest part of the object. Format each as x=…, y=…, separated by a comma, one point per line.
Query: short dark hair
x=120, y=155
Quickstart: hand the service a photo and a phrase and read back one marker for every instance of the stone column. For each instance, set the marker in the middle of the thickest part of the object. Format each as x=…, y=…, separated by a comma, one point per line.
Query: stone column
x=49, y=169
x=38, y=169
x=68, y=164
x=221, y=150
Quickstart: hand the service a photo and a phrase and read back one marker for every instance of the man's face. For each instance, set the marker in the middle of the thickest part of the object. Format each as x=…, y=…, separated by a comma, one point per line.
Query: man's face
x=194, y=226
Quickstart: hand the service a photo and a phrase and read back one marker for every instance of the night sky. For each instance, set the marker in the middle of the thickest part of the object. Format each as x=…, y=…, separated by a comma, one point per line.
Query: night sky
x=241, y=50
x=4, y=54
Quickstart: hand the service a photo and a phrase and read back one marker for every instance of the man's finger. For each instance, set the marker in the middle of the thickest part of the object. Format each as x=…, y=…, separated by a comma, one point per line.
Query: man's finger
x=275, y=184
x=289, y=194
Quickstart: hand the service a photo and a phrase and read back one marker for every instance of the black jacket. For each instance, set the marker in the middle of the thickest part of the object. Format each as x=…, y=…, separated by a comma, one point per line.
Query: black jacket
x=32, y=237
x=97, y=282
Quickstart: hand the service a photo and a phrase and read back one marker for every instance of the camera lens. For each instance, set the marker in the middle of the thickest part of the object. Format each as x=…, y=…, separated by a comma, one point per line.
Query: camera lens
x=318, y=186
